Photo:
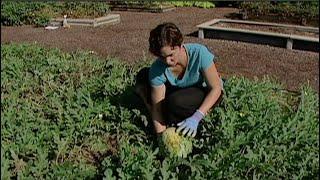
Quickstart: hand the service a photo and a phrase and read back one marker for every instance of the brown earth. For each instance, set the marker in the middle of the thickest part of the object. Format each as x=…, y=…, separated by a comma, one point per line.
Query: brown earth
x=128, y=41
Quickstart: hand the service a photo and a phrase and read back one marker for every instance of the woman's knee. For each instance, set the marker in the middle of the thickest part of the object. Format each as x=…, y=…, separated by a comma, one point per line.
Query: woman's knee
x=142, y=76
x=185, y=102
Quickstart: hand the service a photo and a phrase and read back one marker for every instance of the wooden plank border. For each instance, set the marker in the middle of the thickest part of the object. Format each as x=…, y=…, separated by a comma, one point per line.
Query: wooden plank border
x=290, y=41
x=110, y=19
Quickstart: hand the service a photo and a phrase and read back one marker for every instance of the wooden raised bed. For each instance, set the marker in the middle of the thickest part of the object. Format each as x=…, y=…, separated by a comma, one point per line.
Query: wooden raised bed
x=110, y=19
x=280, y=35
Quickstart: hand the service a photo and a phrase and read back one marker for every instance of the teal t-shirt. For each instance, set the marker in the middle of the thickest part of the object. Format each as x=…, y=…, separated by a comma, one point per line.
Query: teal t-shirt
x=199, y=59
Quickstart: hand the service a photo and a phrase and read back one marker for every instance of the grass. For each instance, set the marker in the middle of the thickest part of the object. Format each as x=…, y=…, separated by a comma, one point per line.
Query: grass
x=74, y=116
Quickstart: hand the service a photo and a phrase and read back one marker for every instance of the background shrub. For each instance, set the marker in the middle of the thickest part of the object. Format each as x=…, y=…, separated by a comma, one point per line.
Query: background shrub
x=40, y=13
x=200, y=4
x=301, y=10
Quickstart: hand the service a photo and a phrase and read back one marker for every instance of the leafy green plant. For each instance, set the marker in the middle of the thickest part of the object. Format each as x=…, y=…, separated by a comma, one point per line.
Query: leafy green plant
x=85, y=9
x=63, y=115
x=42, y=18
x=200, y=4
x=18, y=13
x=40, y=13
x=307, y=10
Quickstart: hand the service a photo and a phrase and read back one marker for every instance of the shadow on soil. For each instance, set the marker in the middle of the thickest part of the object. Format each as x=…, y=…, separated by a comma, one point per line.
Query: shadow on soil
x=236, y=16
x=193, y=34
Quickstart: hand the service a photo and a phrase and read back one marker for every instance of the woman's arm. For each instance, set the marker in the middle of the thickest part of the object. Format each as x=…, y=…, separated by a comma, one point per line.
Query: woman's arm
x=214, y=84
x=157, y=97
x=190, y=125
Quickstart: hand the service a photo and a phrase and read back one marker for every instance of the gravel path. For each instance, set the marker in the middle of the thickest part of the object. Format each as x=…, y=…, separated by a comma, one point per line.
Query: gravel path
x=128, y=41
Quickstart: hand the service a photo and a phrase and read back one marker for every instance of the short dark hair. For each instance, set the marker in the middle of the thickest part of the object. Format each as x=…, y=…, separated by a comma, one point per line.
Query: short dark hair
x=165, y=34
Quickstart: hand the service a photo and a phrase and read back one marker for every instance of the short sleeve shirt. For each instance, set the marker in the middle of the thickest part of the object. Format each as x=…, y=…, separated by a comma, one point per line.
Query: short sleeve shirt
x=199, y=59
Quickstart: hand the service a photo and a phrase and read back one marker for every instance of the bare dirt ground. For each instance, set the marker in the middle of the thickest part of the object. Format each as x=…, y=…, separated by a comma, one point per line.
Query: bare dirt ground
x=128, y=41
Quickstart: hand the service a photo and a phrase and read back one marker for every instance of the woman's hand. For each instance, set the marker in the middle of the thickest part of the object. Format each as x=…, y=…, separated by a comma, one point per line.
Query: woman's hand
x=190, y=125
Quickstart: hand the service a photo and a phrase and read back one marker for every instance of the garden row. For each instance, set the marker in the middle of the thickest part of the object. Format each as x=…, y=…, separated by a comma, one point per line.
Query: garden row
x=74, y=116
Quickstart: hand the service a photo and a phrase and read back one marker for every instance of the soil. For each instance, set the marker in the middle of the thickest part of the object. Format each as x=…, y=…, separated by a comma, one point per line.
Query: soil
x=128, y=41
x=266, y=28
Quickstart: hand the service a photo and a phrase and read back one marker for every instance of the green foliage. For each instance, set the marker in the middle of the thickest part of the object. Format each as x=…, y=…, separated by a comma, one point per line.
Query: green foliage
x=63, y=115
x=133, y=160
x=53, y=103
x=306, y=9
x=40, y=13
x=200, y=4
x=264, y=132
x=19, y=13
x=85, y=9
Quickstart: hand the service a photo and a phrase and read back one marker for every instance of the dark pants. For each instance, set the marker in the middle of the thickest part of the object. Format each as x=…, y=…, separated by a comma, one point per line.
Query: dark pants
x=179, y=103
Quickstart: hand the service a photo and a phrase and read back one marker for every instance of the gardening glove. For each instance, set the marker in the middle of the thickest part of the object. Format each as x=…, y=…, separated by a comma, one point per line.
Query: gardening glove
x=190, y=124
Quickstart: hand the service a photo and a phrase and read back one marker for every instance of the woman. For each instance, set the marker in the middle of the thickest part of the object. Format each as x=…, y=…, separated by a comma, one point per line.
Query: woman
x=182, y=85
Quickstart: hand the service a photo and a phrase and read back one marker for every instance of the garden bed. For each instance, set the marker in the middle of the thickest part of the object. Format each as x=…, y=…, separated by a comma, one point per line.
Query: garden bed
x=140, y=7
x=269, y=28
x=105, y=20
x=280, y=35
x=75, y=112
